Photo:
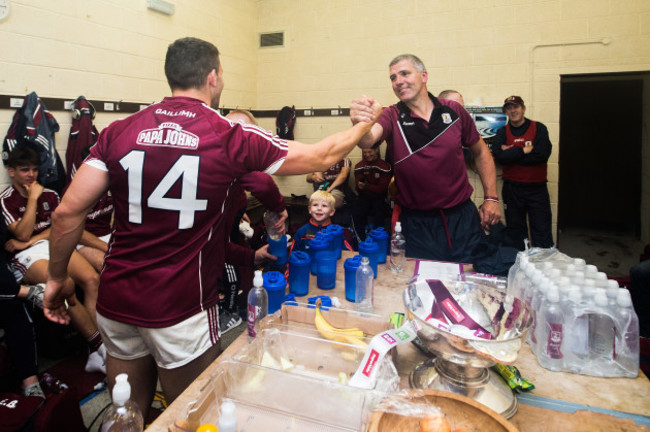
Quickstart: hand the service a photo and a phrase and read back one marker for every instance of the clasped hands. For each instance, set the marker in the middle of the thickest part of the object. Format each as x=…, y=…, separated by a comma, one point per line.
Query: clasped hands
x=364, y=109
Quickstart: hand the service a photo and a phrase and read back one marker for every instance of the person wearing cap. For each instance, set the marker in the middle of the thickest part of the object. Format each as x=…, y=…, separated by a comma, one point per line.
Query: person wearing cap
x=425, y=136
x=522, y=147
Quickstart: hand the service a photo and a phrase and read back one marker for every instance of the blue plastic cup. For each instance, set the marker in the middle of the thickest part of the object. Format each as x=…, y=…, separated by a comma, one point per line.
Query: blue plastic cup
x=279, y=249
x=370, y=248
x=338, y=237
x=299, y=266
x=351, y=265
x=326, y=275
x=275, y=285
x=329, y=237
x=381, y=237
x=316, y=245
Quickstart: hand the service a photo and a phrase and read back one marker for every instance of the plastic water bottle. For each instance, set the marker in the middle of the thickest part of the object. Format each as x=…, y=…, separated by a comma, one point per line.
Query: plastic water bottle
x=364, y=293
x=270, y=219
x=575, y=344
x=612, y=290
x=601, y=336
x=123, y=415
x=590, y=271
x=588, y=293
x=527, y=281
x=227, y=417
x=535, y=307
x=627, y=353
x=397, y=249
x=515, y=274
x=258, y=305
x=550, y=332
x=579, y=263
x=600, y=279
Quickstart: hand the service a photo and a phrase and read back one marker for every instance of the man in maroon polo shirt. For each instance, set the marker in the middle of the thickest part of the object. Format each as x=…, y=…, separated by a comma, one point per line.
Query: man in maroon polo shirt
x=425, y=136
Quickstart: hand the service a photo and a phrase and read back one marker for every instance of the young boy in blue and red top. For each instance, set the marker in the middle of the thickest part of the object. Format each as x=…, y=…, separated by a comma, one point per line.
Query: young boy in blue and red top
x=321, y=209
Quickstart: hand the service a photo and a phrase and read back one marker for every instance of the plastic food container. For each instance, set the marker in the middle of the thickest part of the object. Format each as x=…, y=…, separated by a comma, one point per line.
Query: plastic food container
x=268, y=399
x=315, y=357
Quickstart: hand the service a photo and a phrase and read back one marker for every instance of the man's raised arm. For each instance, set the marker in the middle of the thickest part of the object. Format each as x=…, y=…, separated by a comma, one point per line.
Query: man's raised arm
x=305, y=158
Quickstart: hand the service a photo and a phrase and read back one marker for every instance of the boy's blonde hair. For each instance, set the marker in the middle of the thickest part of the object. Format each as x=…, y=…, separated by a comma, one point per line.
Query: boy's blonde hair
x=320, y=195
x=251, y=118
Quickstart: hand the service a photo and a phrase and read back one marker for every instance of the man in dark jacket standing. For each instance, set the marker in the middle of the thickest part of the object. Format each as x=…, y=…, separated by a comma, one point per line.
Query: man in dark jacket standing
x=522, y=147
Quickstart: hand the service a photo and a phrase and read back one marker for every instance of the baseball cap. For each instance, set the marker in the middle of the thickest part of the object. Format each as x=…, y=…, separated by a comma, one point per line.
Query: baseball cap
x=517, y=100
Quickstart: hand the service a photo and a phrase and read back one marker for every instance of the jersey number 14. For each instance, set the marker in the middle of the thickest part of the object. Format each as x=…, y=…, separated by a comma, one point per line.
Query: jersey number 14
x=185, y=168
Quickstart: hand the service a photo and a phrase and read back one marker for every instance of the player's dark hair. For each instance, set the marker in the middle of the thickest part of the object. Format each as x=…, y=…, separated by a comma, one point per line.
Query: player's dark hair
x=189, y=61
x=23, y=156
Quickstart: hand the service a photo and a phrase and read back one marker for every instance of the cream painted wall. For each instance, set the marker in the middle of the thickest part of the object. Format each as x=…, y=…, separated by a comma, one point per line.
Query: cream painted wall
x=334, y=50
x=487, y=50
x=115, y=50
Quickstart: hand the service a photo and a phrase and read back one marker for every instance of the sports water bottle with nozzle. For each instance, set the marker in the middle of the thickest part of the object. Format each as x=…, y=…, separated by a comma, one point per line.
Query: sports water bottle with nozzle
x=123, y=415
x=397, y=249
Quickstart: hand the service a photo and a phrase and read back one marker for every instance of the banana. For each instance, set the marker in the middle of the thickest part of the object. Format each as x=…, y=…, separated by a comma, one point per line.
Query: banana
x=349, y=336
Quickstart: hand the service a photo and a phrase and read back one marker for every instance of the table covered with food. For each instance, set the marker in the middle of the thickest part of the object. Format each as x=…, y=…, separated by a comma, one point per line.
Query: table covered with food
x=447, y=350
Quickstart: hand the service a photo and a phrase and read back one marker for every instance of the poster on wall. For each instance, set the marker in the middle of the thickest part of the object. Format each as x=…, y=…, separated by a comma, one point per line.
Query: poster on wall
x=488, y=119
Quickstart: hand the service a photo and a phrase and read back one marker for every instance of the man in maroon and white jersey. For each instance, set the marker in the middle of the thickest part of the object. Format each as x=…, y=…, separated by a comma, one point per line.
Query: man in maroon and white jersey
x=27, y=208
x=170, y=169
x=425, y=136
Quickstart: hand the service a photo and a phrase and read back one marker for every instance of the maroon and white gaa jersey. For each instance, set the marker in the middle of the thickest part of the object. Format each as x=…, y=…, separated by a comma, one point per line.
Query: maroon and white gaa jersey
x=331, y=173
x=98, y=220
x=14, y=205
x=171, y=168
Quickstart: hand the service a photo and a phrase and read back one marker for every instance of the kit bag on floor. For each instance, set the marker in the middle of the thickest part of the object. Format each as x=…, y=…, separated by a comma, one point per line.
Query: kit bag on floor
x=60, y=412
x=18, y=413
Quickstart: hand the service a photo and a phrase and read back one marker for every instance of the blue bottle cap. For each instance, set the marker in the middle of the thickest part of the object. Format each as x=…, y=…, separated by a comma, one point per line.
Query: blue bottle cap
x=318, y=243
x=352, y=263
x=274, y=281
x=299, y=257
x=379, y=233
x=368, y=246
x=337, y=230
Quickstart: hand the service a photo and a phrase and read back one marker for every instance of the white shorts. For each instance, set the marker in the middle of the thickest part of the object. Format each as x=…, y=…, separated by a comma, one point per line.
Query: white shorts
x=104, y=238
x=25, y=258
x=171, y=347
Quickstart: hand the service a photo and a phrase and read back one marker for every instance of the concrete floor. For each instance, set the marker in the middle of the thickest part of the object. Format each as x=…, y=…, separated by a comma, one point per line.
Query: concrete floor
x=612, y=252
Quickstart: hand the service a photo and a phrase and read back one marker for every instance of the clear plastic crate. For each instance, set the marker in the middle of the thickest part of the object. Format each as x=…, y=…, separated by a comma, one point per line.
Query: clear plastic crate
x=273, y=400
x=310, y=355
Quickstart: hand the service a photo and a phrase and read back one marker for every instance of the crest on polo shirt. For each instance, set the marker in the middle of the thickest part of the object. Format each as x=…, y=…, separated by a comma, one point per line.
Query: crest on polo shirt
x=528, y=143
x=46, y=206
x=446, y=118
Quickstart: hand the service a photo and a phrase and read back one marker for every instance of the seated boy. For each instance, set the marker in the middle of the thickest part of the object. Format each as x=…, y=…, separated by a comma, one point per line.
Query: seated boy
x=321, y=209
x=27, y=207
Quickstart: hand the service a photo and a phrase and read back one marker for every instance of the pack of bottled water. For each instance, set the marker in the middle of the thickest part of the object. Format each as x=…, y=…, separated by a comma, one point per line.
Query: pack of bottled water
x=582, y=322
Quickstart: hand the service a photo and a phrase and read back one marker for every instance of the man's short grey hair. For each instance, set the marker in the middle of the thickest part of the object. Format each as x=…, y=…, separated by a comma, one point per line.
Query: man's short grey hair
x=417, y=63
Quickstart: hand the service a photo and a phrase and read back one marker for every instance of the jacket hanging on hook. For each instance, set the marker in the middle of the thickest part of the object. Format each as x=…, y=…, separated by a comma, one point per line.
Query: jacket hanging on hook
x=35, y=126
x=285, y=122
x=83, y=135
